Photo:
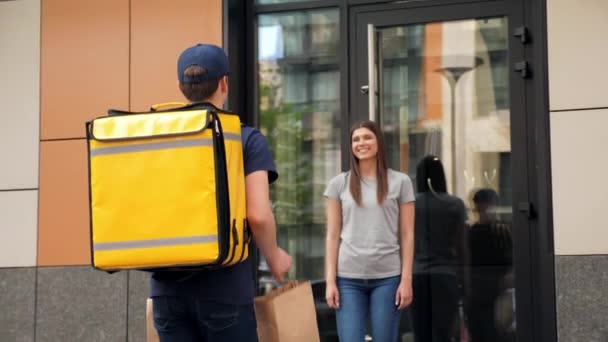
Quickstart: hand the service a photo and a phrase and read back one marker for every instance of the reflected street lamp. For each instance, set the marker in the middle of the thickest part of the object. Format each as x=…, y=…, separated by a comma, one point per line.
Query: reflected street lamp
x=453, y=74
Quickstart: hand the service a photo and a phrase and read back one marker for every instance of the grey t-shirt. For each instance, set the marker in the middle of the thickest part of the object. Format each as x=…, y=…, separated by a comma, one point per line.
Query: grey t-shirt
x=369, y=239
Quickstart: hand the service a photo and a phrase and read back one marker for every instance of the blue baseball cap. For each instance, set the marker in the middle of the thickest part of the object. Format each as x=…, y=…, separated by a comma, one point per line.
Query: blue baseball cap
x=210, y=57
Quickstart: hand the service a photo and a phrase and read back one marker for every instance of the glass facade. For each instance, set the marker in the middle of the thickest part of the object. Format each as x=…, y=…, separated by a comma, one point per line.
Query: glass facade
x=299, y=113
x=442, y=89
x=443, y=103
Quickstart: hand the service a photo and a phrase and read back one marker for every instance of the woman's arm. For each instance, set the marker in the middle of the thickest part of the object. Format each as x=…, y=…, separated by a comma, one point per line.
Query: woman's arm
x=406, y=235
x=406, y=230
x=332, y=242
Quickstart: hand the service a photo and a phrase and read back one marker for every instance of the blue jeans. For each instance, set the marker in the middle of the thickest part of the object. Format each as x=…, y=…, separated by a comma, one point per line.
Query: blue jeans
x=185, y=319
x=361, y=299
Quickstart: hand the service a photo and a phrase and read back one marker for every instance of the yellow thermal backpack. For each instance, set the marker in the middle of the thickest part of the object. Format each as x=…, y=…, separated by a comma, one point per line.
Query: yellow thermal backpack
x=167, y=189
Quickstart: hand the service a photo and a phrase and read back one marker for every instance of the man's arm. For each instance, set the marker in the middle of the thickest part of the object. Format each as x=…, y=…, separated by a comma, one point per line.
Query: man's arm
x=262, y=223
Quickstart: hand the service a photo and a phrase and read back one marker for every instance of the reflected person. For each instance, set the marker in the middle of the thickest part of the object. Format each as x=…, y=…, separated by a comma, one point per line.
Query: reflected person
x=490, y=245
x=439, y=255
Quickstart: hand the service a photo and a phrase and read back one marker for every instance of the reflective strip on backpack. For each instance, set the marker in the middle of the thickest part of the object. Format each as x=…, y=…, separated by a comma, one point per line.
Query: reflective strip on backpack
x=163, y=145
x=190, y=240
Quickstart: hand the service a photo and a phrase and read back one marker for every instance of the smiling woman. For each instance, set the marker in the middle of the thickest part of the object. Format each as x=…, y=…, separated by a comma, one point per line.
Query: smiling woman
x=370, y=240
x=364, y=143
x=368, y=159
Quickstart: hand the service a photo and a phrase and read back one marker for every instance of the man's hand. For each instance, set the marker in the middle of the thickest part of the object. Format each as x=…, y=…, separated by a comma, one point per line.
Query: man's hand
x=279, y=263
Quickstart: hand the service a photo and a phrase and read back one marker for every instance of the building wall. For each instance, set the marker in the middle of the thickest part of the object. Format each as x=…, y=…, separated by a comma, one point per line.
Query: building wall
x=66, y=61
x=20, y=97
x=62, y=63
x=578, y=51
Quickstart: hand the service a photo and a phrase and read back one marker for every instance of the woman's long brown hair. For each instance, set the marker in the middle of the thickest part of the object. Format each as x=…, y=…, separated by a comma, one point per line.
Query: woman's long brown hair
x=381, y=168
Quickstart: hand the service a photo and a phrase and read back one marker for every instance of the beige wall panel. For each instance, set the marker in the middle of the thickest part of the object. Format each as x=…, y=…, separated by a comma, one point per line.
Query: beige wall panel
x=160, y=30
x=578, y=51
x=19, y=93
x=63, y=236
x=84, y=63
x=580, y=190
x=18, y=217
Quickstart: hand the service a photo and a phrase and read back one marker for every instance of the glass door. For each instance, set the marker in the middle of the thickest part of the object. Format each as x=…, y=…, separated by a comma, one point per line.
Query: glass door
x=438, y=80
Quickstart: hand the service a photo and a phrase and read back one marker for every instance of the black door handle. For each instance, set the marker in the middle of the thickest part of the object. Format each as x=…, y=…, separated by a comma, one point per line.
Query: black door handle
x=528, y=209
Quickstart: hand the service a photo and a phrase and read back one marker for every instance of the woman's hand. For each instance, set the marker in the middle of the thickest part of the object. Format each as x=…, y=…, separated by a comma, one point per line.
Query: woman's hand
x=403, y=297
x=332, y=295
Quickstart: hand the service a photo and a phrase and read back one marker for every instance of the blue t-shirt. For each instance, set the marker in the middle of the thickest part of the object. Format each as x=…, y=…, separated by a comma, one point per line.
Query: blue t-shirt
x=230, y=285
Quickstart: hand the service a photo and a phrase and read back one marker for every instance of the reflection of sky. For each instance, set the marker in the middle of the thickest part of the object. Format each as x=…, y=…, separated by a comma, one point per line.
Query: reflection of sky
x=270, y=42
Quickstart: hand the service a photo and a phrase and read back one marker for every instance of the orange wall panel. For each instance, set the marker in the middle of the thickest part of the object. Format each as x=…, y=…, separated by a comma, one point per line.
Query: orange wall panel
x=84, y=63
x=63, y=228
x=160, y=30
x=99, y=55
x=433, y=44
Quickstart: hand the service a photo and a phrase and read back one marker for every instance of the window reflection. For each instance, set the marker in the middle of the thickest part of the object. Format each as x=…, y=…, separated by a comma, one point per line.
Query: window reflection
x=299, y=108
x=444, y=108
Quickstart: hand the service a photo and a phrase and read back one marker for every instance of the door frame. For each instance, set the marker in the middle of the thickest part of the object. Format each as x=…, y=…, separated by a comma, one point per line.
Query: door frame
x=239, y=22
x=532, y=233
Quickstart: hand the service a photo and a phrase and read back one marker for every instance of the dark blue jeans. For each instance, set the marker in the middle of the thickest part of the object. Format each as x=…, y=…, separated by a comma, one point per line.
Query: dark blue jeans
x=184, y=319
x=361, y=299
